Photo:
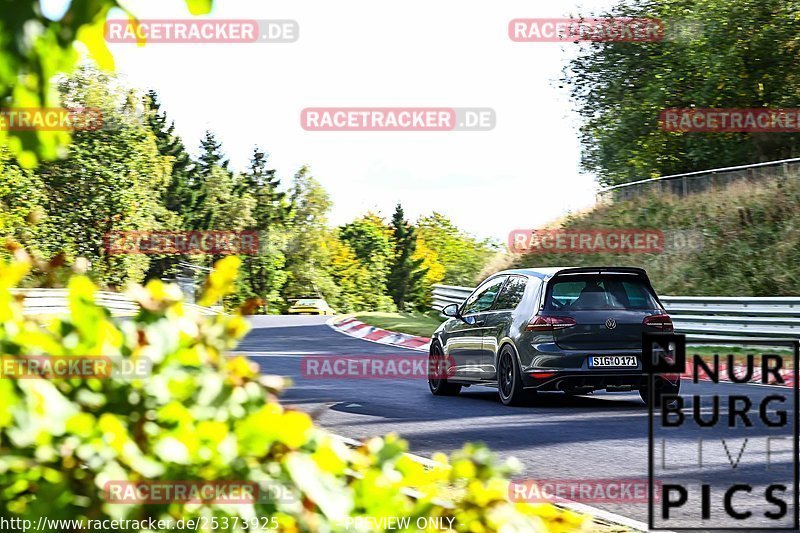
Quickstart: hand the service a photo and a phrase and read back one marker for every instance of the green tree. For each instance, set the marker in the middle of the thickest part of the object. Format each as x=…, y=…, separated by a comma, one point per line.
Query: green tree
x=111, y=179
x=223, y=207
x=434, y=272
x=263, y=184
x=182, y=194
x=347, y=284
x=406, y=275
x=211, y=154
x=462, y=256
x=264, y=274
x=371, y=240
x=22, y=195
x=226, y=208
x=306, y=226
x=211, y=165
x=715, y=54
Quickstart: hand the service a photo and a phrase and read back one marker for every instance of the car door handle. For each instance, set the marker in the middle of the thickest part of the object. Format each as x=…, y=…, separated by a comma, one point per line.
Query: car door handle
x=480, y=322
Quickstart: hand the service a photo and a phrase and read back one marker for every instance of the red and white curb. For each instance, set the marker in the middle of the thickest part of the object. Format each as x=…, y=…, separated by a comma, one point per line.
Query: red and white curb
x=356, y=328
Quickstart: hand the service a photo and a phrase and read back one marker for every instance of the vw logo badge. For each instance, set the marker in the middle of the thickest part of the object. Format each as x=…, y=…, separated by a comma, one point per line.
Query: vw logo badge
x=611, y=323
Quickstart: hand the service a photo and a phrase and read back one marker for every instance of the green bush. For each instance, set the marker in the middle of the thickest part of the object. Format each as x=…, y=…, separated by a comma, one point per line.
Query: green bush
x=201, y=415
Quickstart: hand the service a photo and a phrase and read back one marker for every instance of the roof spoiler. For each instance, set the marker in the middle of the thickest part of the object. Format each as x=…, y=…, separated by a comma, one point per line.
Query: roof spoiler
x=602, y=270
x=642, y=273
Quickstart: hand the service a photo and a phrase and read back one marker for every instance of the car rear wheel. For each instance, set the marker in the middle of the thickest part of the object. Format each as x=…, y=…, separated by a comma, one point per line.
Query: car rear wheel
x=439, y=385
x=509, y=378
x=663, y=387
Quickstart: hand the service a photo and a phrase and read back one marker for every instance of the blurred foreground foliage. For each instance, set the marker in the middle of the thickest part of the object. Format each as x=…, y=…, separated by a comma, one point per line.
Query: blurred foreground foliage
x=202, y=415
x=38, y=44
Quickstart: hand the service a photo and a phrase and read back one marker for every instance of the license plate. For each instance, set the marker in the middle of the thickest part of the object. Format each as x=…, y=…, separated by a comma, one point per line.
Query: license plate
x=603, y=361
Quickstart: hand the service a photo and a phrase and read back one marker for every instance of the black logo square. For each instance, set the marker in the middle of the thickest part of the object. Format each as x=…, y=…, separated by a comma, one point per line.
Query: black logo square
x=663, y=353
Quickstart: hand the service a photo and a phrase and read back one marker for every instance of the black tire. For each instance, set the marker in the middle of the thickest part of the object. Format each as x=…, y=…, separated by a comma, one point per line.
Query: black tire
x=439, y=386
x=509, y=378
x=664, y=388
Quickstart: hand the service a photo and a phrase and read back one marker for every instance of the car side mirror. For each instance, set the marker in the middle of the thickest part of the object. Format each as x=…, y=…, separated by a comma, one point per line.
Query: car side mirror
x=450, y=310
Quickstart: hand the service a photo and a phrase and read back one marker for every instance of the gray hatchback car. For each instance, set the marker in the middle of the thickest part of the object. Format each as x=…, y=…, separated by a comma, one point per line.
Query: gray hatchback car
x=574, y=330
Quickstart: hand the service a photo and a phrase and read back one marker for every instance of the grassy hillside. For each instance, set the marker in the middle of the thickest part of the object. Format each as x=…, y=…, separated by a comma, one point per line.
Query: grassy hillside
x=750, y=240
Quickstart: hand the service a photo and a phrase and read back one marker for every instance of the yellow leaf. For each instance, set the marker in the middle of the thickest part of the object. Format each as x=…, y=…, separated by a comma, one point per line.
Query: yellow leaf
x=12, y=274
x=93, y=36
x=240, y=367
x=211, y=431
x=114, y=432
x=81, y=424
x=328, y=460
x=80, y=287
x=294, y=427
x=199, y=7
x=221, y=280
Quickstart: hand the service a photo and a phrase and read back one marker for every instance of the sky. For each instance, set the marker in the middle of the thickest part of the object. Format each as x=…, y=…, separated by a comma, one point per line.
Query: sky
x=360, y=53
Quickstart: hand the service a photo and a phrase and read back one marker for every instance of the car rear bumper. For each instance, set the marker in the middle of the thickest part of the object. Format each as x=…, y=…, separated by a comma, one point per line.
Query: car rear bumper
x=554, y=380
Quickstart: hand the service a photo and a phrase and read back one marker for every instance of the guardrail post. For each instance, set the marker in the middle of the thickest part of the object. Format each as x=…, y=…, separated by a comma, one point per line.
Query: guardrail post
x=685, y=186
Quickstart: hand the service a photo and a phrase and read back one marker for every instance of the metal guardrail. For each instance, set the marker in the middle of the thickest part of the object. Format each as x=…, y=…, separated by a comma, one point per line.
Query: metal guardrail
x=701, y=180
x=702, y=317
x=56, y=302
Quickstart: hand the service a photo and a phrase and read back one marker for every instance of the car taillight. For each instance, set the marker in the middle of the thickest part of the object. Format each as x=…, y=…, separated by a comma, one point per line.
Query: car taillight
x=662, y=322
x=550, y=323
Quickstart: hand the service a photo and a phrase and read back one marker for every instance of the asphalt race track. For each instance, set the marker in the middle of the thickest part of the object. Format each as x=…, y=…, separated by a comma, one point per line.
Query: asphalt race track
x=597, y=436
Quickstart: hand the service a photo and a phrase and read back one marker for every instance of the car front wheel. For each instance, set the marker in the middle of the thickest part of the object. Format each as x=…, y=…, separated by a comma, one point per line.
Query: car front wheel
x=436, y=382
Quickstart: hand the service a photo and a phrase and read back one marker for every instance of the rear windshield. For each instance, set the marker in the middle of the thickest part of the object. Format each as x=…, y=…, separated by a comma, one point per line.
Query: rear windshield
x=580, y=293
x=307, y=302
